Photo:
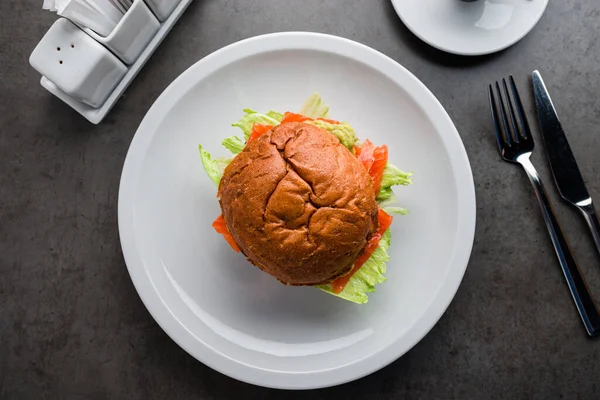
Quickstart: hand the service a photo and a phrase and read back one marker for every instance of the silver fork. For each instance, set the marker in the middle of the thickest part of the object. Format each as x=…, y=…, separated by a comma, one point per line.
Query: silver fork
x=515, y=143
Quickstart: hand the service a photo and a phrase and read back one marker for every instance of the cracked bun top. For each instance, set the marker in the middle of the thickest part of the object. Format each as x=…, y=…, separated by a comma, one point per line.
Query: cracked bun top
x=300, y=206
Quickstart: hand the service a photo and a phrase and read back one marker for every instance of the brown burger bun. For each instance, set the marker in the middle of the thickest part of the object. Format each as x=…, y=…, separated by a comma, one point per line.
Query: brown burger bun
x=300, y=206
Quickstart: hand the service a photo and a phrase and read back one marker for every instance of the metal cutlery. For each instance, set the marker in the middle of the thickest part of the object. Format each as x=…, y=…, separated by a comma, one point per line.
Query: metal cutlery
x=566, y=173
x=516, y=144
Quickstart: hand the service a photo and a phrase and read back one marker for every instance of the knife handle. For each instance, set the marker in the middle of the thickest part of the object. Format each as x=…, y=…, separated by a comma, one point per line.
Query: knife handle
x=591, y=218
x=575, y=280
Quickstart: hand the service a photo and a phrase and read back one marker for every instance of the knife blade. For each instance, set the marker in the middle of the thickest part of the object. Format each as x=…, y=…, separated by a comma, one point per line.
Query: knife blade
x=567, y=176
x=562, y=161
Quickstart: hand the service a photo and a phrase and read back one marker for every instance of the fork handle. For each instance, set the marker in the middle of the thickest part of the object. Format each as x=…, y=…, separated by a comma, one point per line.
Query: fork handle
x=575, y=280
x=591, y=218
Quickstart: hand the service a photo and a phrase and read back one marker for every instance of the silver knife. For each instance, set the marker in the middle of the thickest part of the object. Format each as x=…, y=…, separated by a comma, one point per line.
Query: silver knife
x=562, y=161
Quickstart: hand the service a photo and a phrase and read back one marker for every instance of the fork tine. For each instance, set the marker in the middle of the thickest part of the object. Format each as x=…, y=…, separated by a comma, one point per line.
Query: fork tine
x=526, y=132
x=499, y=138
x=503, y=115
x=511, y=111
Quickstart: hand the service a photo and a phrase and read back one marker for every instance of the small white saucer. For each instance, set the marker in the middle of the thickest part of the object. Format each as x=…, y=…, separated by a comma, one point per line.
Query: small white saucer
x=470, y=28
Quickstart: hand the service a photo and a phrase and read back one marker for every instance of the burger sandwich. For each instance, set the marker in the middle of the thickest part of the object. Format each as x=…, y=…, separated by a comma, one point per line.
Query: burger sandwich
x=305, y=202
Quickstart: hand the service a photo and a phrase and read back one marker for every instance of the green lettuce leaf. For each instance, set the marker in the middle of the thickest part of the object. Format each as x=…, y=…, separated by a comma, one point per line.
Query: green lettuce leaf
x=214, y=168
x=392, y=176
x=234, y=144
x=369, y=275
x=395, y=210
x=252, y=117
x=275, y=115
x=222, y=163
x=313, y=107
x=385, y=194
x=343, y=131
x=388, y=202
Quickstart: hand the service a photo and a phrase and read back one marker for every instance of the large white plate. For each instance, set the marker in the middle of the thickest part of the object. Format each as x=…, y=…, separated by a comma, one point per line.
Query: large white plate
x=470, y=28
x=227, y=313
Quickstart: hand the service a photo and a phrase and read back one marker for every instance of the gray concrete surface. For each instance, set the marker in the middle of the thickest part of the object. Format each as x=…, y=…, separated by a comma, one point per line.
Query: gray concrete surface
x=73, y=327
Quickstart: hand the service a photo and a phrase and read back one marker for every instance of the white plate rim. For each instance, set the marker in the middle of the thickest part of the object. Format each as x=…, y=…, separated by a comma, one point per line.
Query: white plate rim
x=466, y=209
x=397, y=4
